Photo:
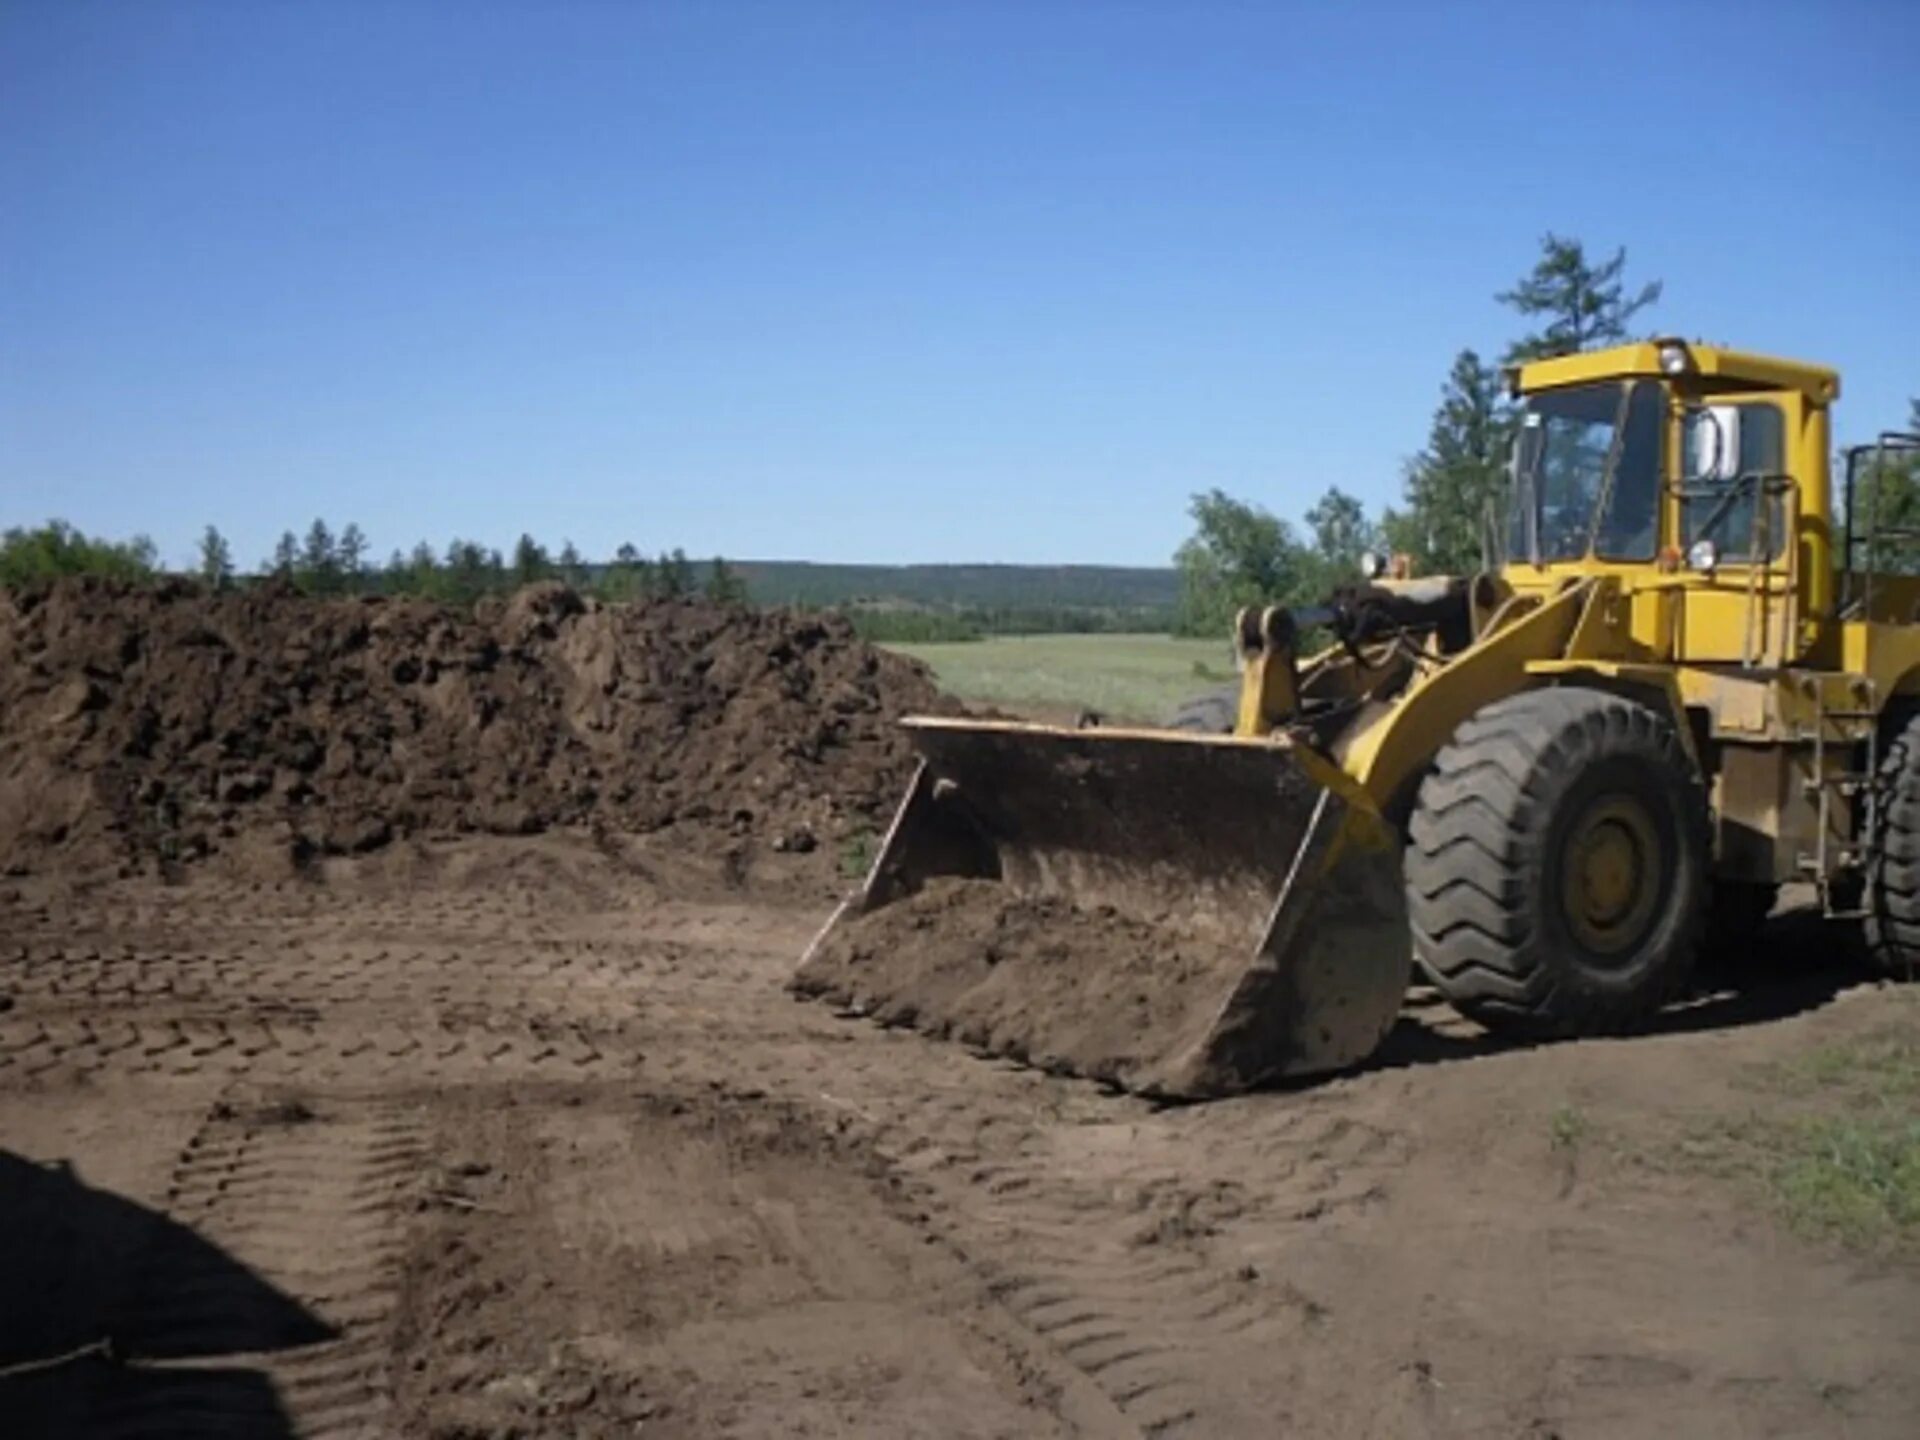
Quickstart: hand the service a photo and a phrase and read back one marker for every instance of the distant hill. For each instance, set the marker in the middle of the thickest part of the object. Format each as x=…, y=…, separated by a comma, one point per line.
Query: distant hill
x=1048, y=587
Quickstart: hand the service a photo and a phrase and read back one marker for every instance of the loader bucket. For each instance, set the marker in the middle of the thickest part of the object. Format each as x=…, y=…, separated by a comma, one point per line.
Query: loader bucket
x=1180, y=915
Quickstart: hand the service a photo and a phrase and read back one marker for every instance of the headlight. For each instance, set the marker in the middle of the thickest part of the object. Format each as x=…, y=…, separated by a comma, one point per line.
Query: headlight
x=1674, y=358
x=1702, y=556
x=1372, y=564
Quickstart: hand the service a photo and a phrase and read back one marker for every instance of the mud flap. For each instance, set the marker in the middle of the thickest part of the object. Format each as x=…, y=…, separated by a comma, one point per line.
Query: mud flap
x=1182, y=915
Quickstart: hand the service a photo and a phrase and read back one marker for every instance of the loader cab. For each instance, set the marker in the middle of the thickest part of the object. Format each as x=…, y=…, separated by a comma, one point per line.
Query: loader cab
x=1697, y=476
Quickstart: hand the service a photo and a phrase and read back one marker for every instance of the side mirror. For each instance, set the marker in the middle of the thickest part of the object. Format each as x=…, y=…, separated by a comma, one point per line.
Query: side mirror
x=1712, y=446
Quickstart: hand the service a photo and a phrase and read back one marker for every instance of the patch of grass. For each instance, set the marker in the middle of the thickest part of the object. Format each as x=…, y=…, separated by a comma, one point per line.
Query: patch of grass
x=1883, y=1067
x=1856, y=1180
x=856, y=854
x=1139, y=678
x=1567, y=1127
x=1851, y=1170
x=1836, y=1148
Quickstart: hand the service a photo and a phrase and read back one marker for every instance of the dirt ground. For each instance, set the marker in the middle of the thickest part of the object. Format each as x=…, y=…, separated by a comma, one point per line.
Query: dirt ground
x=516, y=1136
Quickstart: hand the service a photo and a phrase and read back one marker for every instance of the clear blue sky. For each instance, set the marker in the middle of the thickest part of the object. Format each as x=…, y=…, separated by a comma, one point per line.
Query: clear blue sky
x=879, y=282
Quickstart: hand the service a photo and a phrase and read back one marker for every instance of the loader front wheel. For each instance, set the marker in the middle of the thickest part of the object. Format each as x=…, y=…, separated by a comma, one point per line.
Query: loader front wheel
x=1557, y=864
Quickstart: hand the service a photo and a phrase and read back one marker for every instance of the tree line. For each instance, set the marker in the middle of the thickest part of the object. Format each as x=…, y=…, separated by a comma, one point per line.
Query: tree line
x=328, y=563
x=324, y=563
x=333, y=562
x=57, y=548
x=336, y=563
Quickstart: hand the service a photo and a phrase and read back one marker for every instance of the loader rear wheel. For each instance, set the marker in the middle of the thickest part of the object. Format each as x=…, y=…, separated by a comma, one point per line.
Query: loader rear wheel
x=1893, y=864
x=1557, y=864
x=1213, y=713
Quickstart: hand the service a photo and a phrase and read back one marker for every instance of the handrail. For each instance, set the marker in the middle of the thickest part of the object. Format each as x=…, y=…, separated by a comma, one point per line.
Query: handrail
x=1760, y=574
x=1888, y=439
x=1764, y=486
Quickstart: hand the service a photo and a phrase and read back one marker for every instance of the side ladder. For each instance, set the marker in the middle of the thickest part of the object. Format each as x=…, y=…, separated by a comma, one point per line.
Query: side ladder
x=1832, y=858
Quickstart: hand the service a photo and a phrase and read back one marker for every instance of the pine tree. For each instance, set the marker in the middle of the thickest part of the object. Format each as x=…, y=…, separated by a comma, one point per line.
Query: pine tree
x=1583, y=304
x=530, y=562
x=318, y=563
x=423, y=569
x=465, y=576
x=724, y=585
x=286, y=556
x=674, y=573
x=216, y=559
x=1452, y=485
x=350, y=553
x=572, y=568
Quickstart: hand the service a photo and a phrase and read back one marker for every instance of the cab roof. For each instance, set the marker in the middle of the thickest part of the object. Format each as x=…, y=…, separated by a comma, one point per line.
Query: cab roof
x=1720, y=368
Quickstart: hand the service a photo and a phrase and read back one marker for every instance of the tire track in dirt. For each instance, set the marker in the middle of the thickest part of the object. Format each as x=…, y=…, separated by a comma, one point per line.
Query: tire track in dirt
x=177, y=1001
x=715, y=1247
x=48, y=1050
x=1114, y=1264
x=1109, y=1273
x=311, y=1201
x=1099, y=1256
x=1256, y=1266
x=1094, y=1231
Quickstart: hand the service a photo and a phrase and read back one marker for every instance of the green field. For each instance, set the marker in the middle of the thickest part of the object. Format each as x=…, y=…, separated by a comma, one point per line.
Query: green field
x=1124, y=677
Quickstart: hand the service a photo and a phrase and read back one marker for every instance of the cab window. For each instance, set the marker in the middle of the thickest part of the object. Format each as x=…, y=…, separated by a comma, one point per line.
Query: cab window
x=1587, y=472
x=1630, y=527
x=1564, y=442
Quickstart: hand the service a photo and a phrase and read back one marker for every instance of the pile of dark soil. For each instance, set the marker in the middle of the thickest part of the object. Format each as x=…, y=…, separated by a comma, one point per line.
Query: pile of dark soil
x=1079, y=991
x=170, y=723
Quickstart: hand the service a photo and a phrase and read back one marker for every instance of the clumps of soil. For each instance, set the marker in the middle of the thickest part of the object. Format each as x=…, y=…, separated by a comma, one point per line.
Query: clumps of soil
x=1086, y=991
x=287, y=1110
x=168, y=723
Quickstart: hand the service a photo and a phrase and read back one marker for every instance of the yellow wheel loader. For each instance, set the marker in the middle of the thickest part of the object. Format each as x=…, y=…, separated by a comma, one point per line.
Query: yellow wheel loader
x=1692, y=675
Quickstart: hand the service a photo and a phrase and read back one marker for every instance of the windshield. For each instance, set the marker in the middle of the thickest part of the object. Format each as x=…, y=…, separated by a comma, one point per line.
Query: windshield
x=1582, y=486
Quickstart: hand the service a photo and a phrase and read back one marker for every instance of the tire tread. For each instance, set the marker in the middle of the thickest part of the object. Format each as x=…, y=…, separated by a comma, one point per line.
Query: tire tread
x=1473, y=858
x=1893, y=867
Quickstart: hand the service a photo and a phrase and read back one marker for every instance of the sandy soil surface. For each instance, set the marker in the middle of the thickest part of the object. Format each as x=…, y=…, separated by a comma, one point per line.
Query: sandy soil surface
x=516, y=1136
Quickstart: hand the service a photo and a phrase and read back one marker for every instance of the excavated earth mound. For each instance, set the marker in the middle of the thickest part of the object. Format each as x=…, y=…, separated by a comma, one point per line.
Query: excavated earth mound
x=168, y=723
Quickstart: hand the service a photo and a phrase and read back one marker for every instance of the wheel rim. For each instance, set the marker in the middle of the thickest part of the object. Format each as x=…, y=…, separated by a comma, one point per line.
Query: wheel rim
x=1612, y=869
